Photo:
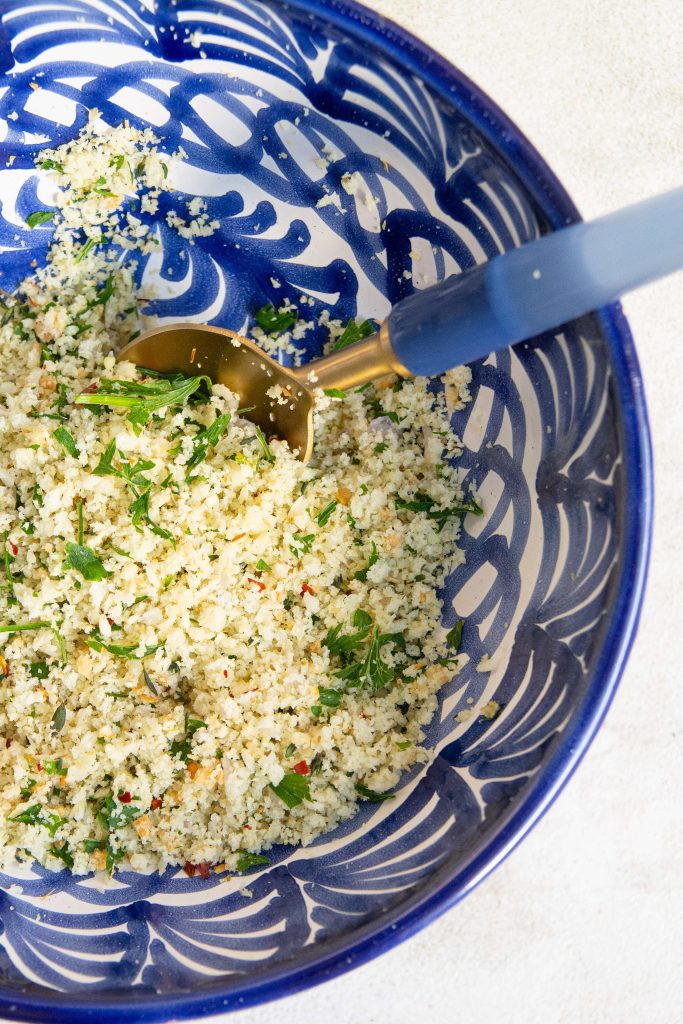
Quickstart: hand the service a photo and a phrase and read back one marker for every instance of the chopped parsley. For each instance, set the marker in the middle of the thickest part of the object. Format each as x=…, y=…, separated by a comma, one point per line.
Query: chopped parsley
x=39, y=217
x=265, y=448
x=329, y=698
x=97, y=642
x=302, y=544
x=142, y=399
x=424, y=503
x=324, y=516
x=262, y=566
x=371, y=795
x=23, y=627
x=354, y=332
x=84, y=560
x=59, y=719
x=362, y=574
x=246, y=861
x=454, y=636
x=207, y=438
x=55, y=767
x=182, y=748
x=274, y=321
x=334, y=392
x=63, y=853
x=62, y=435
x=370, y=669
x=292, y=790
x=36, y=814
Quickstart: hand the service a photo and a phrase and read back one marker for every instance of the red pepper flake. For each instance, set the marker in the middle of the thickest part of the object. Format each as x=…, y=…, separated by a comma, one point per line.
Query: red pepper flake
x=91, y=388
x=8, y=743
x=248, y=827
x=13, y=548
x=302, y=768
x=305, y=589
x=155, y=804
x=125, y=798
x=39, y=767
x=204, y=868
x=110, y=621
x=190, y=869
x=258, y=583
x=225, y=672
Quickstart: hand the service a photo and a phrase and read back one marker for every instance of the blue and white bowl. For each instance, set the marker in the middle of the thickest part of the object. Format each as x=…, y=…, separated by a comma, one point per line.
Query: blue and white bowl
x=556, y=442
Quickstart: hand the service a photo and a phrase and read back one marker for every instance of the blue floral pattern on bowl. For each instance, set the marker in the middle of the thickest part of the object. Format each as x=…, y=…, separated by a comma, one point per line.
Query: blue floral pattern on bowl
x=275, y=105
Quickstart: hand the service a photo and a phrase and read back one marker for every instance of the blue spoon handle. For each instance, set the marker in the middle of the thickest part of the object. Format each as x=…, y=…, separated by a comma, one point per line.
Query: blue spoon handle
x=539, y=286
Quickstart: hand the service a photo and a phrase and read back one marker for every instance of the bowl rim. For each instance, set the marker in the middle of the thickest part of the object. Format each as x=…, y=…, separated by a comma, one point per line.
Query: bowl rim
x=445, y=889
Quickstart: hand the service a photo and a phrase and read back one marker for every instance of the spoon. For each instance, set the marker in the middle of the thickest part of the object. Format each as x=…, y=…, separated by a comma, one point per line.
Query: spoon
x=514, y=296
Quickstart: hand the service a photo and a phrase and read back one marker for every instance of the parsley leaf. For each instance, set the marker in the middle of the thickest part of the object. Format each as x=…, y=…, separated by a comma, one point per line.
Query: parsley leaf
x=183, y=748
x=97, y=643
x=39, y=217
x=274, y=321
x=329, y=697
x=323, y=517
x=354, y=332
x=62, y=853
x=37, y=815
x=207, y=438
x=424, y=503
x=142, y=399
x=62, y=435
x=362, y=574
x=454, y=635
x=246, y=861
x=261, y=438
x=84, y=560
x=293, y=789
x=371, y=795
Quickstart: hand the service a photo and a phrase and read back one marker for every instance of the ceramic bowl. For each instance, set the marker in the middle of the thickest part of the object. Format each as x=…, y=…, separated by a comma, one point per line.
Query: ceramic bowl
x=273, y=104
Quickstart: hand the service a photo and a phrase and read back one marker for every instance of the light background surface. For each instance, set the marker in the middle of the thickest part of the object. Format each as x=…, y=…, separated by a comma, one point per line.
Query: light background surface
x=584, y=922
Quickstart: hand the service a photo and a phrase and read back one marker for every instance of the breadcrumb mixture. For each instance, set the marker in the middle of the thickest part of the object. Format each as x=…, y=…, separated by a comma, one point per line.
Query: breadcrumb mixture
x=207, y=646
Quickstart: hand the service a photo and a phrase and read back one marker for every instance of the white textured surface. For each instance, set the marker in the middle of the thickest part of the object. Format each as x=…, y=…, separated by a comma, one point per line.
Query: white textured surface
x=584, y=922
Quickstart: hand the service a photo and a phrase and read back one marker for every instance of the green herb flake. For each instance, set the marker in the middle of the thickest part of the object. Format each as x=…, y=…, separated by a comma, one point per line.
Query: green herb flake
x=291, y=749
x=39, y=217
x=371, y=796
x=247, y=861
x=362, y=574
x=274, y=321
x=334, y=392
x=329, y=698
x=354, y=332
x=84, y=560
x=63, y=853
x=97, y=643
x=62, y=435
x=207, y=438
x=142, y=399
x=262, y=566
x=37, y=815
x=293, y=789
x=265, y=448
x=454, y=636
x=324, y=516
x=59, y=719
x=55, y=767
x=424, y=503
x=52, y=165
